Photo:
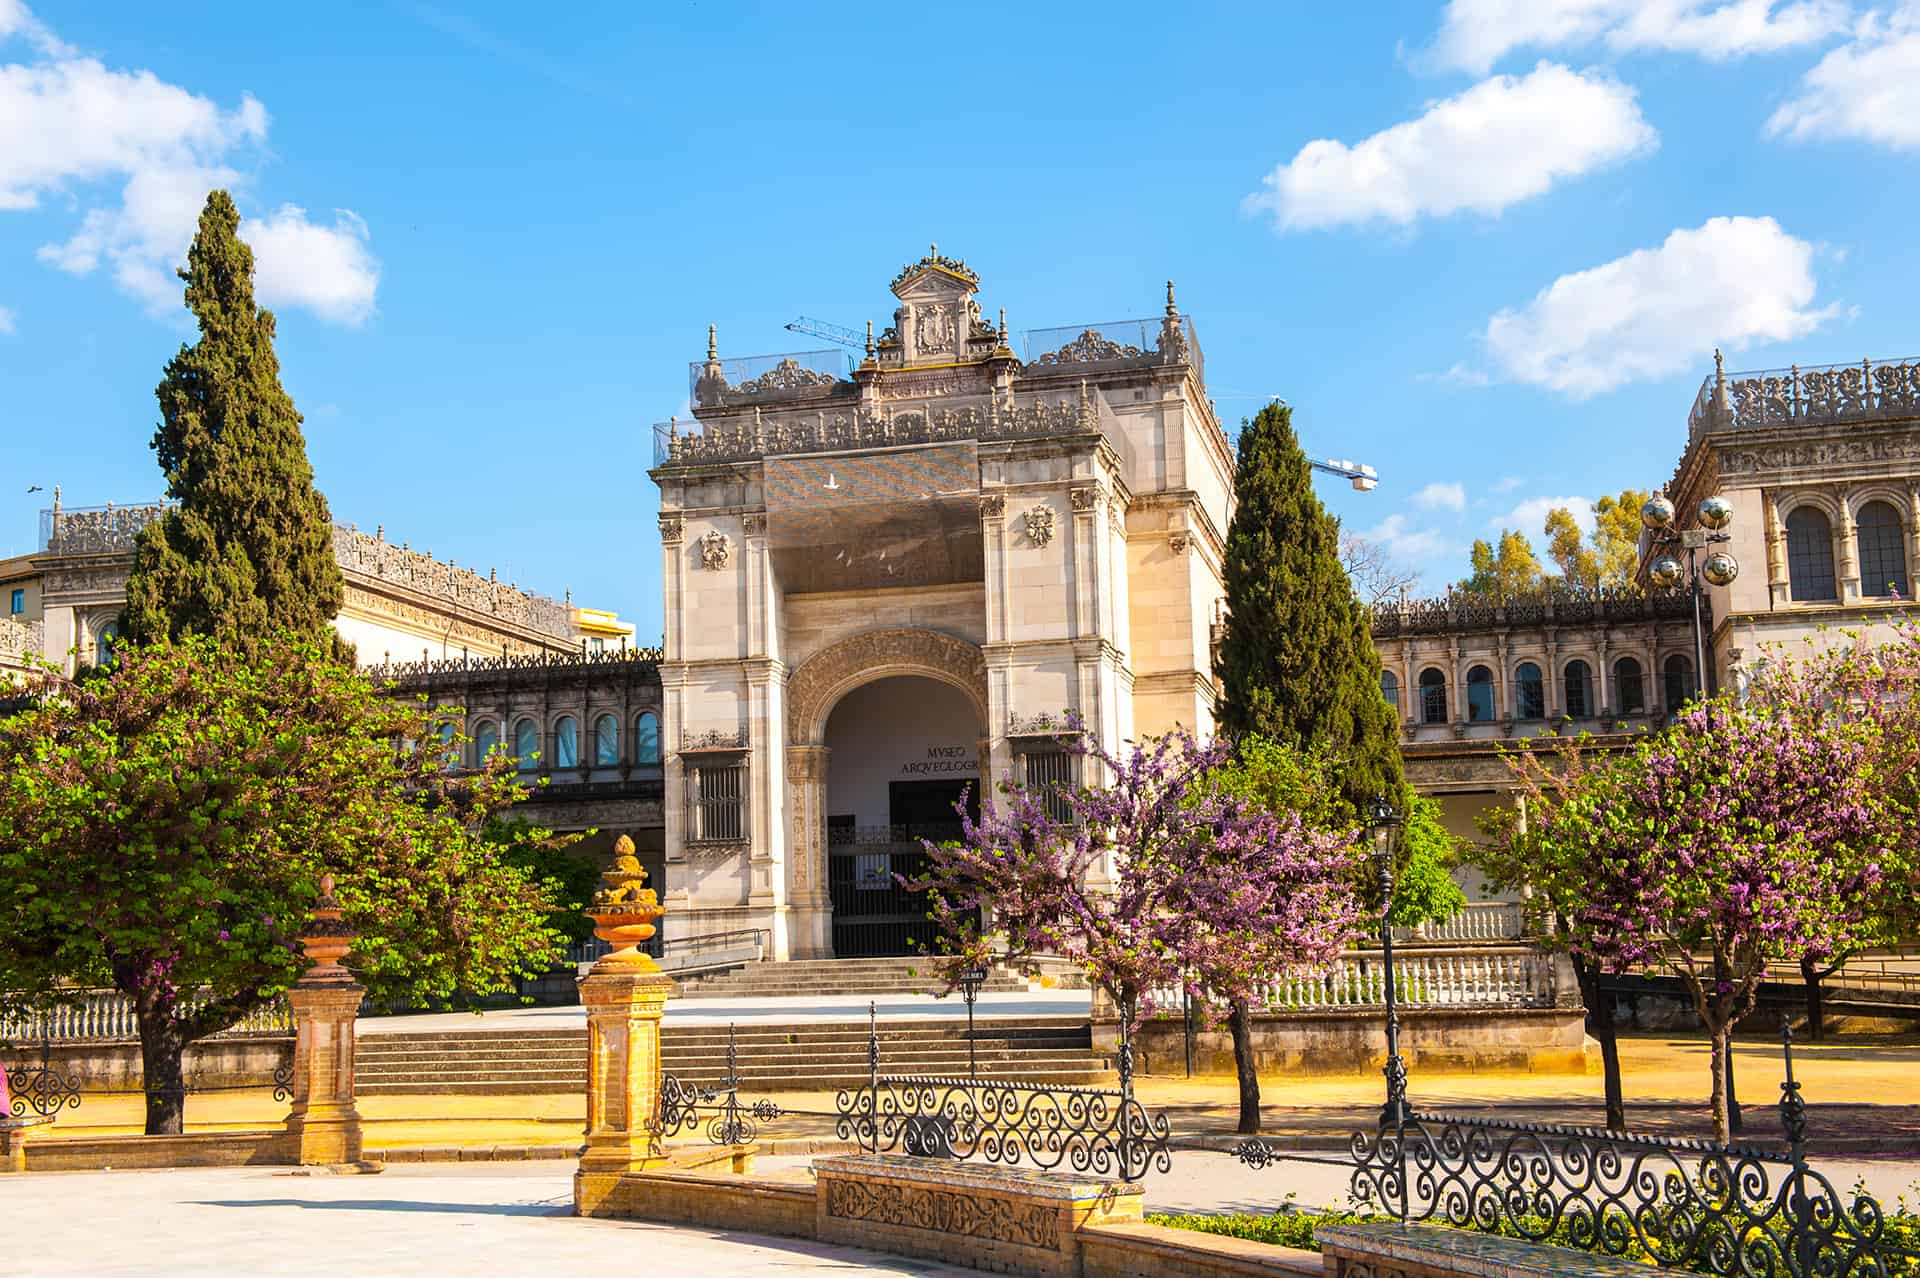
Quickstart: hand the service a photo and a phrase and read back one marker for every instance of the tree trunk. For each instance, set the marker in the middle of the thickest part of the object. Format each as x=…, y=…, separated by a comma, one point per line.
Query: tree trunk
x=161, y=1048
x=1810, y=974
x=1240, y=1020
x=1722, y=1123
x=1600, y=1013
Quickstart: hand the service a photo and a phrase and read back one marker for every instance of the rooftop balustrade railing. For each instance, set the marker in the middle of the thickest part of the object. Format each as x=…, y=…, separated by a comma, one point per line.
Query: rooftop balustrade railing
x=1808, y=393
x=753, y=379
x=1462, y=610
x=96, y=530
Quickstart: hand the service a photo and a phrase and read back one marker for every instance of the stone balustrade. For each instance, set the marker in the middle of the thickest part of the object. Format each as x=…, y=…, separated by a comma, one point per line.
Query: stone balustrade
x=1513, y=976
x=101, y=1015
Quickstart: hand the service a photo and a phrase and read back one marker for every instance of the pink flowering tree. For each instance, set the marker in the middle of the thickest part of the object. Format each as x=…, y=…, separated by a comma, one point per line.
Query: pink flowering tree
x=1154, y=879
x=1738, y=838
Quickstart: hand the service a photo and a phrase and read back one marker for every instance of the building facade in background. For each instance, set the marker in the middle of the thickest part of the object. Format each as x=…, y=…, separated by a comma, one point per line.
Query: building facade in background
x=894, y=576
x=64, y=600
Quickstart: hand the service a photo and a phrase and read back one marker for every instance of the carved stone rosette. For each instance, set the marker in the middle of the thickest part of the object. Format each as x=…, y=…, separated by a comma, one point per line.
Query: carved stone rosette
x=1039, y=520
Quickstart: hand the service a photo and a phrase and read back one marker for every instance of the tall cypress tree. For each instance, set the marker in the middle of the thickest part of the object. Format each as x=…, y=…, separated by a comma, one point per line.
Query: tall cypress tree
x=249, y=548
x=1297, y=660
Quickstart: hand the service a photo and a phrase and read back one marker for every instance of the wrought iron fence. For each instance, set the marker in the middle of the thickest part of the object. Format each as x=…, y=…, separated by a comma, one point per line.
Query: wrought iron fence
x=46, y=1089
x=689, y=1106
x=1733, y=1210
x=1096, y=1131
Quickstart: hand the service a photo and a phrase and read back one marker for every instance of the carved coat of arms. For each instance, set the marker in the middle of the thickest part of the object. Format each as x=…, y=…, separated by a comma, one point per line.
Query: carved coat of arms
x=714, y=549
x=933, y=329
x=1040, y=525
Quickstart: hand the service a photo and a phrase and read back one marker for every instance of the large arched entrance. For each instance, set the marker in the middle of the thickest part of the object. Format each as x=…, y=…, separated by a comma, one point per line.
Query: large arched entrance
x=901, y=752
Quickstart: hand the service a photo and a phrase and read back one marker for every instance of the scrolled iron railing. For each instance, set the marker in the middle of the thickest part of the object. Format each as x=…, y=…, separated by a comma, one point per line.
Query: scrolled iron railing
x=1730, y=1210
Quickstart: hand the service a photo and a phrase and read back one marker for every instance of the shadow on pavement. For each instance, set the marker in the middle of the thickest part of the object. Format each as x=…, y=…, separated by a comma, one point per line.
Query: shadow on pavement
x=395, y=1204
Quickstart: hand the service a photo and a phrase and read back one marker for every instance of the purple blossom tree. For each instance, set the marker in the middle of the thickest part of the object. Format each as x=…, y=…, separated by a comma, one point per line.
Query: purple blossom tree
x=1154, y=880
x=1738, y=838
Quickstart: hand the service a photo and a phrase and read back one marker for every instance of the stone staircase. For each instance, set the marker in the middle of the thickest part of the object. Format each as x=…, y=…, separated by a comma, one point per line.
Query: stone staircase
x=783, y=1058
x=821, y=977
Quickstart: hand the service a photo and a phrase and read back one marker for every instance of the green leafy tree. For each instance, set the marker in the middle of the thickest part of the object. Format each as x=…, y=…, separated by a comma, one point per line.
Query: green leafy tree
x=555, y=861
x=164, y=826
x=1505, y=571
x=1424, y=890
x=1297, y=661
x=248, y=548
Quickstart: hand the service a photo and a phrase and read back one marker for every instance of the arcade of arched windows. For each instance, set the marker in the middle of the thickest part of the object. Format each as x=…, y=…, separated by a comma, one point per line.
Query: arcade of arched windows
x=1499, y=683
x=1831, y=545
x=581, y=740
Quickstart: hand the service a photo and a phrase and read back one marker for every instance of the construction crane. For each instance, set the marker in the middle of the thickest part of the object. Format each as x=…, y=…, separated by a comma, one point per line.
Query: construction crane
x=832, y=332
x=1364, y=478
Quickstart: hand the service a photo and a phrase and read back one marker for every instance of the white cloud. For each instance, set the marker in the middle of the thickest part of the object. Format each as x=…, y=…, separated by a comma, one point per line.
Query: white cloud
x=1530, y=516
x=73, y=127
x=1730, y=282
x=1868, y=89
x=1403, y=542
x=6, y=320
x=1508, y=483
x=1502, y=141
x=326, y=269
x=1475, y=34
x=1441, y=497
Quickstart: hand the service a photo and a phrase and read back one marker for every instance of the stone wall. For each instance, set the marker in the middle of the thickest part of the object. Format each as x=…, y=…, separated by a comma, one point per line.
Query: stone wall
x=1476, y=1040
x=114, y=1065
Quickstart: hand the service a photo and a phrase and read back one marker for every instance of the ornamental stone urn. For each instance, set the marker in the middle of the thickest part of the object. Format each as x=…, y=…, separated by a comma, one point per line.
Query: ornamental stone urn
x=624, y=911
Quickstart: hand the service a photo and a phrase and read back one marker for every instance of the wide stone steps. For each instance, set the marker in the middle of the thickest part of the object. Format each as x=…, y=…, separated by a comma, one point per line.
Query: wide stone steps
x=798, y=1057
x=834, y=976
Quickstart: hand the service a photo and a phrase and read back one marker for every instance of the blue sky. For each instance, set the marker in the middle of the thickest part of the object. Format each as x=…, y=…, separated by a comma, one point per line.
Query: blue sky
x=1487, y=247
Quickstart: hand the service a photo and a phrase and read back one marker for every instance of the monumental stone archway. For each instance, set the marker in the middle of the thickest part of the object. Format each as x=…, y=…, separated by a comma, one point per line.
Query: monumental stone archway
x=815, y=688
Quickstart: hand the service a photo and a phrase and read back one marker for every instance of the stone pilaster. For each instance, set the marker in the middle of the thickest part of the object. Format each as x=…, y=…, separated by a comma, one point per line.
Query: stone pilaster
x=323, y=1125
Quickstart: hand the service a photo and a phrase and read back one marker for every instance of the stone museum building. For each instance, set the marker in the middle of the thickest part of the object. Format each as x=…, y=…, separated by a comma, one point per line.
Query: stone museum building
x=889, y=581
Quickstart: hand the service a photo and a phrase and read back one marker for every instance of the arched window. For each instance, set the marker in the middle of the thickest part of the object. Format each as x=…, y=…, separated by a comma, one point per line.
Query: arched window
x=449, y=753
x=1679, y=673
x=646, y=739
x=1630, y=693
x=1480, y=695
x=1579, y=687
x=1883, y=556
x=526, y=744
x=1809, y=555
x=566, y=743
x=1390, y=690
x=104, y=644
x=1529, y=692
x=1433, y=696
x=606, y=741
x=486, y=739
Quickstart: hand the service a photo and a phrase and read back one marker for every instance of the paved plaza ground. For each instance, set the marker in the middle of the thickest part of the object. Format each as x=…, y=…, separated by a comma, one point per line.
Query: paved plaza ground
x=461, y=1219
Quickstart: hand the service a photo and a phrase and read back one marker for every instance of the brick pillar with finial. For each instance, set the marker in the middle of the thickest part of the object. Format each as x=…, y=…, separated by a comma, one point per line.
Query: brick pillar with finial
x=323, y=1125
x=625, y=995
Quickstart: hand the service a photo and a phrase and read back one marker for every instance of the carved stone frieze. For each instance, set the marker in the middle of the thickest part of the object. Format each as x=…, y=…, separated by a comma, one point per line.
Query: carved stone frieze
x=787, y=375
x=103, y=579
x=933, y=329
x=1039, y=521
x=823, y=678
x=671, y=527
x=970, y=1215
x=1833, y=452
x=19, y=641
x=717, y=849
x=714, y=739
x=806, y=764
x=715, y=550
x=446, y=584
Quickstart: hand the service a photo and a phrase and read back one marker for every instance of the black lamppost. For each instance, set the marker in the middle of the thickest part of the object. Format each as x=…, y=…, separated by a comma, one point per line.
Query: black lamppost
x=1383, y=825
x=1718, y=567
x=970, y=982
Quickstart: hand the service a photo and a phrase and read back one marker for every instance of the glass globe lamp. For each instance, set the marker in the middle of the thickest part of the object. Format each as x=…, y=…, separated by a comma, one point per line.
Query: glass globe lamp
x=1720, y=568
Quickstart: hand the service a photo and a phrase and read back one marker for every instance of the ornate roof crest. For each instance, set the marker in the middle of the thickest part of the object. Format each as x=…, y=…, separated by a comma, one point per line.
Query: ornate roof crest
x=933, y=261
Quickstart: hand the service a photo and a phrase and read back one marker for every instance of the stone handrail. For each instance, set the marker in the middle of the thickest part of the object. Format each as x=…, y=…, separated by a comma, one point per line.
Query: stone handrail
x=109, y=1014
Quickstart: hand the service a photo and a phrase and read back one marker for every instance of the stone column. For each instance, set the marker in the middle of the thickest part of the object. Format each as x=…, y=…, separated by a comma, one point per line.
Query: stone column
x=323, y=1125
x=807, y=875
x=625, y=994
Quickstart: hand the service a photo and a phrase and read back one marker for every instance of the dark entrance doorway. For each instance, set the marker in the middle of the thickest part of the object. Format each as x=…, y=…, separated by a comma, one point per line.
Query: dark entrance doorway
x=874, y=915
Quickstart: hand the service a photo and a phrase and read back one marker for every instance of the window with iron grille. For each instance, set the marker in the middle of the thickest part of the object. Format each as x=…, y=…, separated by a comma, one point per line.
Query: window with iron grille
x=1883, y=553
x=719, y=801
x=1049, y=776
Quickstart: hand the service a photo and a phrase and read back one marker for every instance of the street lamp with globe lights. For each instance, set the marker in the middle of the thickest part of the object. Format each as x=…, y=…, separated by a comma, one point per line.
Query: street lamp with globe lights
x=1383, y=826
x=1718, y=567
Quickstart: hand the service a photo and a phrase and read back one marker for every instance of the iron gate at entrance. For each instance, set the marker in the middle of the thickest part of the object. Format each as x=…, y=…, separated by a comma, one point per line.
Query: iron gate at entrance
x=874, y=916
